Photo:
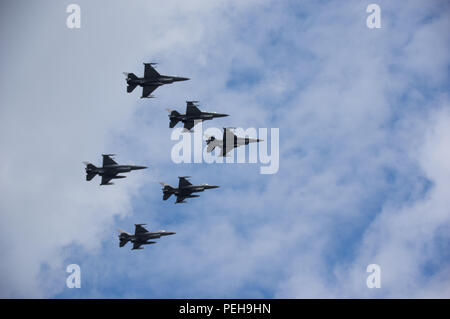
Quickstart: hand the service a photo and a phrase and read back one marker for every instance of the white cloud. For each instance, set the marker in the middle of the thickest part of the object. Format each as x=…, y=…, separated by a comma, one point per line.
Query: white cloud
x=328, y=82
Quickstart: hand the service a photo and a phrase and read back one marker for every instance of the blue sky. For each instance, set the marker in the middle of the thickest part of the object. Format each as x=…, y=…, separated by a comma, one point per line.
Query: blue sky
x=363, y=116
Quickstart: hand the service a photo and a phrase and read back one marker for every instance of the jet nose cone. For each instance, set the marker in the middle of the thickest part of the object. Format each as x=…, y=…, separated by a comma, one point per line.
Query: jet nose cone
x=182, y=79
x=169, y=233
x=221, y=115
x=139, y=167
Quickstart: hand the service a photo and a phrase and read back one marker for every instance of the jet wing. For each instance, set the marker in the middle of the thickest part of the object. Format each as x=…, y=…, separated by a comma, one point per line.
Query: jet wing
x=106, y=179
x=107, y=160
x=183, y=182
x=140, y=230
x=228, y=133
x=136, y=245
x=188, y=125
x=150, y=72
x=191, y=109
x=147, y=90
x=228, y=141
x=227, y=149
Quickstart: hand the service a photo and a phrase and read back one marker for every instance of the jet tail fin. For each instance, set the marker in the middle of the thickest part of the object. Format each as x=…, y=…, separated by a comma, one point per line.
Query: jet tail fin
x=166, y=186
x=130, y=76
x=89, y=173
x=123, y=242
x=90, y=176
x=89, y=165
x=124, y=238
x=166, y=196
x=173, y=119
x=131, y=87
x=166, y=190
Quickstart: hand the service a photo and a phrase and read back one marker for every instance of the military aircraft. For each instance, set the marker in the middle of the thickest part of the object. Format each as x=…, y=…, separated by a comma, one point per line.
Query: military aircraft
x=151, y=80
x=184, y=190
x=141, y=236
x=229, y=142
x=109, y=170
x=192, y=114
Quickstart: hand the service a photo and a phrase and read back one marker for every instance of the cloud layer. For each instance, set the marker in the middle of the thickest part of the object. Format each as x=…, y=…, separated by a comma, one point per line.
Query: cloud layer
x=363, y=117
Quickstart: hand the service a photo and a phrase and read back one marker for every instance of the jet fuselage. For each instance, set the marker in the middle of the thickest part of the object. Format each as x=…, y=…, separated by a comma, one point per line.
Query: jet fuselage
x=113, y=169
x=190, y=189
x=150, y=235
x=161, y=80
x=139, y=239
x=204, y=116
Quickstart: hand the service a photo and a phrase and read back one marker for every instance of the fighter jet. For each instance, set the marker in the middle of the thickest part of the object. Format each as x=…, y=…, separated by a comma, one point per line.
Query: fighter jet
x=192, y=114
x=141, y=236
x=229, y=142
x=151, y=80
x=109, y=170
x=184, y=190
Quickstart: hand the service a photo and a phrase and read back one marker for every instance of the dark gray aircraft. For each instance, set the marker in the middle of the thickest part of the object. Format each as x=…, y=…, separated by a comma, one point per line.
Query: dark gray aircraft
x=151, y=80
x=141, y=236
x=184, y=190
x=192, y=114
x=229, y=142
x=109, y=170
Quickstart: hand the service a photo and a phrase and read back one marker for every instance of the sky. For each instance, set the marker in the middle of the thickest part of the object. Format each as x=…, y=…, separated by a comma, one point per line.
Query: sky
x=364, y=133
